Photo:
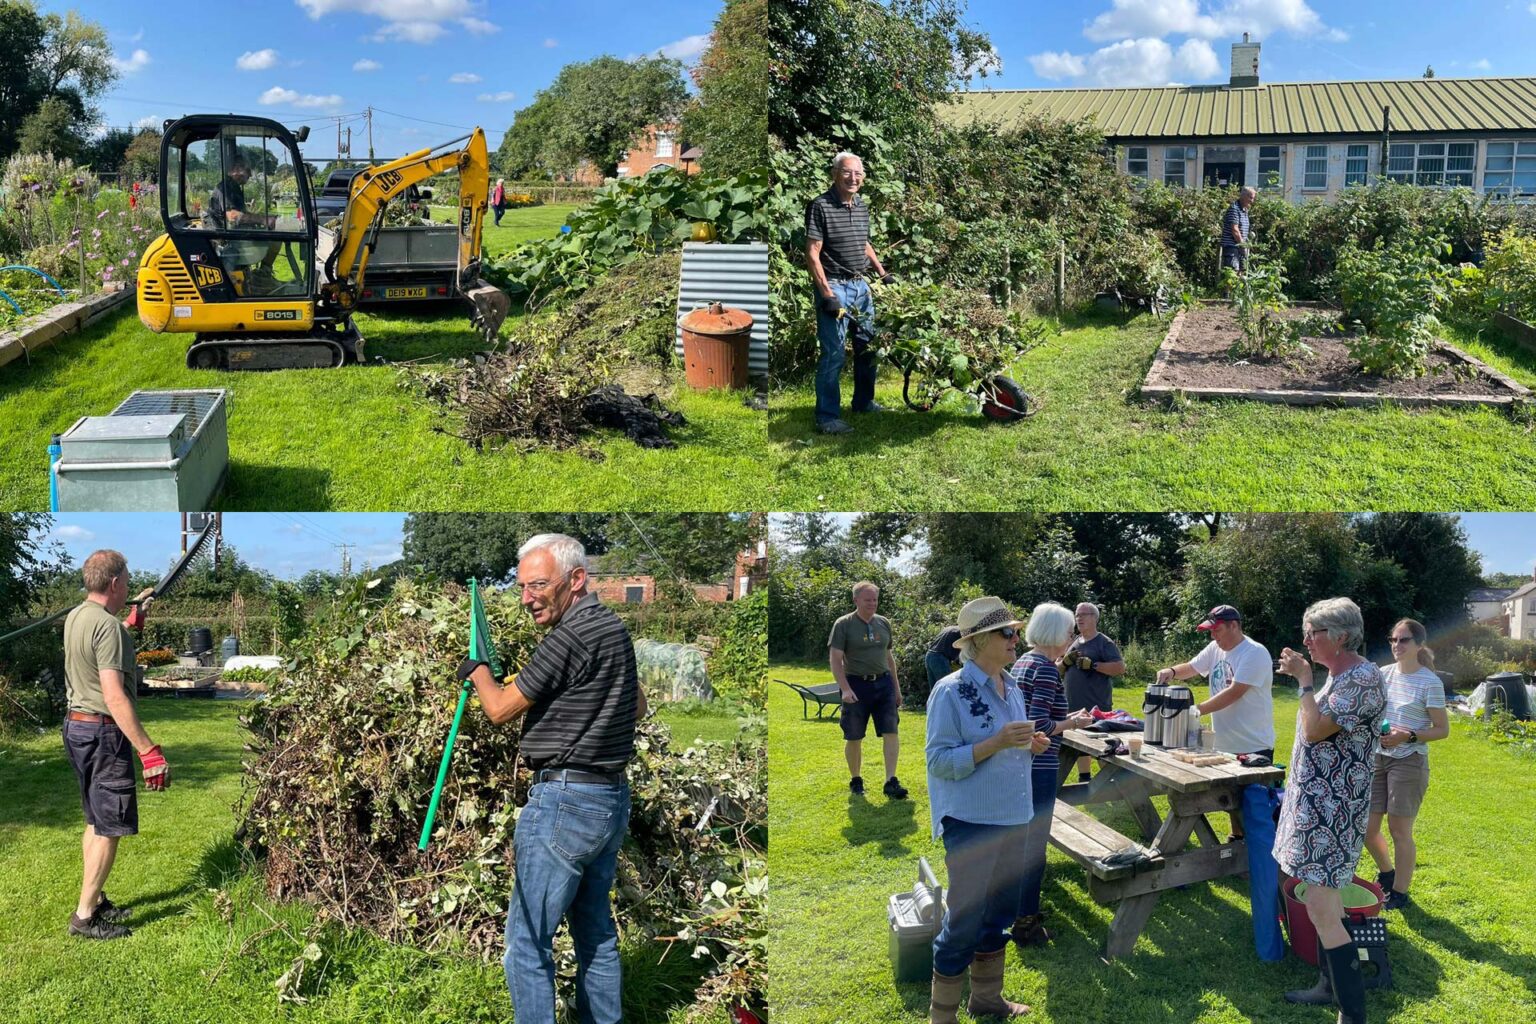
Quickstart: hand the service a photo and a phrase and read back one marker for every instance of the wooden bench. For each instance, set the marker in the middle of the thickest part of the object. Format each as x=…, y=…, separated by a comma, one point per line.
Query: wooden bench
x=823, y=695
x=1088, y=841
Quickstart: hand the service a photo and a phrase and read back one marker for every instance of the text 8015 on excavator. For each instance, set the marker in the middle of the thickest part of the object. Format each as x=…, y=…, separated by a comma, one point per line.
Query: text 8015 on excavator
x=236, y=265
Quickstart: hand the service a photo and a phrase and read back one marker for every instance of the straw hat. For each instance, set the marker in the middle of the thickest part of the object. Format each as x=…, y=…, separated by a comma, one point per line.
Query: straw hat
x=984, y=615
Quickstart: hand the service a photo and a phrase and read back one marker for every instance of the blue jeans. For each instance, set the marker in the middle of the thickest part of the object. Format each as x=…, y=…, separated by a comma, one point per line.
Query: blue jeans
x=854, y=297
x=983, y=864
x=1043, y=781
x=567, y=844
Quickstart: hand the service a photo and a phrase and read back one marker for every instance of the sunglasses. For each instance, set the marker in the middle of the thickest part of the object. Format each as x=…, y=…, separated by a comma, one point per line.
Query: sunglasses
x=1008, y=633
x=1399, y=639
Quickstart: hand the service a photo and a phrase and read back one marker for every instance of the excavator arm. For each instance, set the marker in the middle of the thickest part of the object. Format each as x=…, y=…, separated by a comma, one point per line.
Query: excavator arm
x=372, y=191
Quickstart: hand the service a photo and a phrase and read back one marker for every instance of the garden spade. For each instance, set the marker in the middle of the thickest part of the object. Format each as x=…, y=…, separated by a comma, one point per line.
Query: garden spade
x=480, y=649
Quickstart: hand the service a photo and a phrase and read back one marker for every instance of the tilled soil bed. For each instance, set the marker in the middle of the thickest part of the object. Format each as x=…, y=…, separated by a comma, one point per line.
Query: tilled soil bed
x=1195, y=360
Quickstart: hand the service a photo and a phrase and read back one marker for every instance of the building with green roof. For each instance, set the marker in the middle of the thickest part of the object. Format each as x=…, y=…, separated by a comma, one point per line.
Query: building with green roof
x=1304, y=139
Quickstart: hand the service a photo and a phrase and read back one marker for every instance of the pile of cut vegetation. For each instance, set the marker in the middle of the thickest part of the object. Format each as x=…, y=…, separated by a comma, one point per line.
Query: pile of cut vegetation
x=345, y=754
x=562, y=376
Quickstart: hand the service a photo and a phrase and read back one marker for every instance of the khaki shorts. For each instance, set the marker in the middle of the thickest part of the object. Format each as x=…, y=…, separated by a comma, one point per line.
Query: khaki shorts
x=1397, y=788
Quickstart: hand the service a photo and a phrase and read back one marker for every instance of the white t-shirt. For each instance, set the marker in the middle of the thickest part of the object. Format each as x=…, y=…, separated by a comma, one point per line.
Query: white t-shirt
x=1409, y=699
x=1247, y=724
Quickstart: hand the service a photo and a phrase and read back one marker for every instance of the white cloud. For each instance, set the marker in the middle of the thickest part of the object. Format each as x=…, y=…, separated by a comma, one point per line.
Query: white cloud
x=1132, y=19
x=989, y=63
x=152, y=121
x=497, y=97
x=277, y=95
x=69, y=531
x=137, y=36
x=550, y=44
x=1132, y=62
x=366, y=65
x=408, y=21
x=685, y=49
x=136, y=61
x=256, y=60
x=1483, y=65
x=464, y=78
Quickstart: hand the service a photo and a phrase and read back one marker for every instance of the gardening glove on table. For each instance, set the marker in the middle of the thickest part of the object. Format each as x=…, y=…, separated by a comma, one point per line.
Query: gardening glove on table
x=829, y=305
x=157, y=774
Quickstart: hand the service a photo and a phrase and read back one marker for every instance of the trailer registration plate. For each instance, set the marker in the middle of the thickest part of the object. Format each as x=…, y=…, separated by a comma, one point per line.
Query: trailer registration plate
x=405, y=293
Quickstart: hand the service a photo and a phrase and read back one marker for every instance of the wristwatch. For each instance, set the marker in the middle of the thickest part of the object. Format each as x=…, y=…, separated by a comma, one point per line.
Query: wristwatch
x=1413, y=736
x=1304, y=690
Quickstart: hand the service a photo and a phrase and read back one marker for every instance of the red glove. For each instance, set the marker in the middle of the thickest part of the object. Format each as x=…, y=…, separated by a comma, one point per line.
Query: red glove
x=157, y=774
x=135, y=617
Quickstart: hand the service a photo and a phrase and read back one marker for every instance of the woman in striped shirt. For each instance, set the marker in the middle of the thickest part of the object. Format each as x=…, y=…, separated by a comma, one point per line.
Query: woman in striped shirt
x=1049, y=634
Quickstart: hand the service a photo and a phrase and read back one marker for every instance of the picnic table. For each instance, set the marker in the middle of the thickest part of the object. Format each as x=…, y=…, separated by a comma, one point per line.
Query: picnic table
x=1192, y=792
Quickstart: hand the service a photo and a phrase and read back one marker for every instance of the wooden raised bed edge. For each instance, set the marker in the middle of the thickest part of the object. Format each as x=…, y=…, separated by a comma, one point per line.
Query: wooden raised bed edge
x=1152, y=386
x=1518, y=331
x=67, y=317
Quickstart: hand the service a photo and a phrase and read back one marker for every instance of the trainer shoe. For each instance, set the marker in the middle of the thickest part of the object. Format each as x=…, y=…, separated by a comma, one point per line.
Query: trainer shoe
x=856, y=785
x=106, y=910
x=1396, y=900
x=835, y=427
x=873, y=406
x=96, y=928
x=894, y=789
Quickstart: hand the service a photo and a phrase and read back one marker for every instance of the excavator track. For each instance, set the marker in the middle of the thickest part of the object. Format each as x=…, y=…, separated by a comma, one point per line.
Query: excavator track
x=276, y=352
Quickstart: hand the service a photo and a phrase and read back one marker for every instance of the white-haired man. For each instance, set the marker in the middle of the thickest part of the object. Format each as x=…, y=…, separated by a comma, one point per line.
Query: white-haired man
x=1090, y=664
x=839, y=255
x=581, y=693
x=1234, y=231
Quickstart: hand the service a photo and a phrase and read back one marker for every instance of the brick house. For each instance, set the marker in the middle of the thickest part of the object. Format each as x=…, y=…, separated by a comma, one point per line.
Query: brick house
x=749, y=574
x=1300, y=139
x=658, y=145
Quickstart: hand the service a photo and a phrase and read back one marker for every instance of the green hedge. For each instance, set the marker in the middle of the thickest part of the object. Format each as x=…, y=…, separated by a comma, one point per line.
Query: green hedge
x=738, y=667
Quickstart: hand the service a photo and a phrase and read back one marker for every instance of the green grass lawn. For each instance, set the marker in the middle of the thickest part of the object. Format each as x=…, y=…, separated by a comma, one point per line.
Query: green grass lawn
x=1093, y=446
x=517, y=225
x=185, y=962
x=353, y=439
x=1465, y=951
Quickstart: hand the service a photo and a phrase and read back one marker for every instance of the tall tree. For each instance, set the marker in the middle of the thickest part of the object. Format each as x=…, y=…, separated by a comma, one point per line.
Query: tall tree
x=594, y=110
x=50, y=57
x=142, y=158
x=27, y=561
x=1439, y=566
x=730, y=120
x=21, y=88
x=54, y=128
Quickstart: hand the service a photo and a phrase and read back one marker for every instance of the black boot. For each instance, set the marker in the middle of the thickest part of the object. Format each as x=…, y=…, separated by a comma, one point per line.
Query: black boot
x=1385, y=879
x=1320, y=994
x=1348, y=984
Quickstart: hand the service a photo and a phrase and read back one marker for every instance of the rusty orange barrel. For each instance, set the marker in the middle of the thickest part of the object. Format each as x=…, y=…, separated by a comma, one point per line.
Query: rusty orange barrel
x=716, y=341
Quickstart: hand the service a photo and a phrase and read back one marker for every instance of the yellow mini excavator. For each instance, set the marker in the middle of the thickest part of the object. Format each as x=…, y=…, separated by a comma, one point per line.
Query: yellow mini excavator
x=237, y=266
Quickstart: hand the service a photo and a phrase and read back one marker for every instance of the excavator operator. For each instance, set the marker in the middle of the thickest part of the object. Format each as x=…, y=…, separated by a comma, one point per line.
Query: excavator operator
x=226, y=210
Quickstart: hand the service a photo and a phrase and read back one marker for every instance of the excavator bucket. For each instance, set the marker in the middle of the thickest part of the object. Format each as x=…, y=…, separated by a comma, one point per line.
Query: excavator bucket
x=490, y=305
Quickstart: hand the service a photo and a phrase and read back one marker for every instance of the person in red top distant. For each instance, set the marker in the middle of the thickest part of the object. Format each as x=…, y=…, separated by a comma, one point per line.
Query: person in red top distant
x=499, y=199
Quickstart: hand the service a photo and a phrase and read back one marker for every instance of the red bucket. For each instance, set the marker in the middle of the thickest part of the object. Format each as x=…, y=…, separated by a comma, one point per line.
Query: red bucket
x=1298, y=926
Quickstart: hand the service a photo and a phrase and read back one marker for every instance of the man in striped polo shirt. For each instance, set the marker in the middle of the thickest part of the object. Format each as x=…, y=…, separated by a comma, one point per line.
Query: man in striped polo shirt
x=581, y=694
x=1234, y=231
x=838, y=253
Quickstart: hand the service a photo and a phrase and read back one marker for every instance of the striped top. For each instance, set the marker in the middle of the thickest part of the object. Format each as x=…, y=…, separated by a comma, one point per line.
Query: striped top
x=1236, y=217
x=1046, y=698
x=843, y=231
x=1409, y=699
x=584, y=687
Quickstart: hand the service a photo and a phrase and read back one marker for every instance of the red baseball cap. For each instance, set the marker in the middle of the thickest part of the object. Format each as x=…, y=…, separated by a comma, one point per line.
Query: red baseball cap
x=1221, y=613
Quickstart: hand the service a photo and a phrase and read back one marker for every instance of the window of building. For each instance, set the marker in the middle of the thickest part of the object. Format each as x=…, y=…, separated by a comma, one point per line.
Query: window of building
x=1174, y=161
x=1511, y=169
x=1314, y=175
x=1357, y=165
x=1136, y=162
x=634, y=594
x=1432, y=164
x=1270, y=173
x=663, y=144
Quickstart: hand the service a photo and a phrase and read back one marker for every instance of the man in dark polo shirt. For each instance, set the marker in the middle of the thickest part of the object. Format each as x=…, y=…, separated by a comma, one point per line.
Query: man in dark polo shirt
x=1092, y=663
x=859, y=650
x=1234, y=231
x=101, y=733
x=581, y=693
x=838, y=253
x=226, y=211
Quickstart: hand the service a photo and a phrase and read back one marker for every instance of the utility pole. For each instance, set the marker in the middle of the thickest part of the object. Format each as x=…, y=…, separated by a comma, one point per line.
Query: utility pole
x=346, y=559
x=370, y=135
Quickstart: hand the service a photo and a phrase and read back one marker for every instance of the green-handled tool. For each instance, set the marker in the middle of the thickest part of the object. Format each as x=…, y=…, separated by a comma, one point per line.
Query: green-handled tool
x=480, y=649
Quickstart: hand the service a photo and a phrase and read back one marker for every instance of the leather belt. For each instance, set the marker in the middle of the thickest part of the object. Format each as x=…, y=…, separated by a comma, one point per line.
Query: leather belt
x=86, y=716
x=870, y=679
x=573, y=775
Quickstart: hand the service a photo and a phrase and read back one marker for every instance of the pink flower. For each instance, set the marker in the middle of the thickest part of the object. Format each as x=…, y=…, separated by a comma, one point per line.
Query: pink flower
x=96, y=233
x=125, y=262
x=102, y=214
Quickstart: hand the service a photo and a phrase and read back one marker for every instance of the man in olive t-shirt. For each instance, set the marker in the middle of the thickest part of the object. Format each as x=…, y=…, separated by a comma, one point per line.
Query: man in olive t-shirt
x=101, y=733
x=859, y=650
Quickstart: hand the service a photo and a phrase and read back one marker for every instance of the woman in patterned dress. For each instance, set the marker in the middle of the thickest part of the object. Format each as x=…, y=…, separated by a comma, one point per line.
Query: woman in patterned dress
x=1328, y=793
x=979, y=749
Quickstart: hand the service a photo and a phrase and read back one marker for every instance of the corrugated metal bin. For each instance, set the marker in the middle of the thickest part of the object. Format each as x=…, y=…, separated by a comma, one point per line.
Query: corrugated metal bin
x=157, y=451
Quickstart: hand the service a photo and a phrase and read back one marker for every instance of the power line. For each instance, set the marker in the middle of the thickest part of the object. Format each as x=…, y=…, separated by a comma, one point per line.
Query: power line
x=440, y=124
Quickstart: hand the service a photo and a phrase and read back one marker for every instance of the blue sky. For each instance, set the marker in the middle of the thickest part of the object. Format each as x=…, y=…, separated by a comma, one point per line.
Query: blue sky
x=283, y=543
x=1506, y=540
x=1096, y=43
x=457, y=62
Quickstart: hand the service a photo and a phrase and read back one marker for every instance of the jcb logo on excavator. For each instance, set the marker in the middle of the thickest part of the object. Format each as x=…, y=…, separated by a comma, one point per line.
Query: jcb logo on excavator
x=207, y=277
x=390, y=180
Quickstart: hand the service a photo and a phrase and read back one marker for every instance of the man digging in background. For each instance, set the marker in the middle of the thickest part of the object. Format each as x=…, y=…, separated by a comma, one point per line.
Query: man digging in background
x=101, y=730
x=581, y=693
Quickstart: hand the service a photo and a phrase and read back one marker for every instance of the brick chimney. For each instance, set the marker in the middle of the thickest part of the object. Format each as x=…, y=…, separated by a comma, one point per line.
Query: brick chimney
x=1245, y=64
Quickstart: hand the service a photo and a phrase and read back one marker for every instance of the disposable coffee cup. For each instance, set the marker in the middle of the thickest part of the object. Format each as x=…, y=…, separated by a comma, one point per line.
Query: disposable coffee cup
x=1134, y=742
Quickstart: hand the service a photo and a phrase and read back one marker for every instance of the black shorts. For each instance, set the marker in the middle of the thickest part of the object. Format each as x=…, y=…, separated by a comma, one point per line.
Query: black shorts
x=103, y=760
x=877, y=702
